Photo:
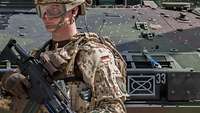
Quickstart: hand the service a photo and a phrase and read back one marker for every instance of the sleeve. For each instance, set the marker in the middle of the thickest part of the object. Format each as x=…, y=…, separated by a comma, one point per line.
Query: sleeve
x=15, y=83
x=88, y=61
x=100, y=72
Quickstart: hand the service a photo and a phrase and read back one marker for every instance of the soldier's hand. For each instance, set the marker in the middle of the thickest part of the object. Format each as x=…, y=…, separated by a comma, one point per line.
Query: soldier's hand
x=16, y=84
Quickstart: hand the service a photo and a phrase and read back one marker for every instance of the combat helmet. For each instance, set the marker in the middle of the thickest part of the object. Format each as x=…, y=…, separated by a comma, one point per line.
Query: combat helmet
x=68, y=4
x=63, y=6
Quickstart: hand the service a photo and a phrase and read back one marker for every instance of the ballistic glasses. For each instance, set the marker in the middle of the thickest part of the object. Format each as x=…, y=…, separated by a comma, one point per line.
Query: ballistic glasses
x=51, y=10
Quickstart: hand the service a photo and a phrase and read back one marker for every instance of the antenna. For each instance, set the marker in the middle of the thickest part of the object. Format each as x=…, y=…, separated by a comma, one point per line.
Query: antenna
x=103, y=23
x=86, y=25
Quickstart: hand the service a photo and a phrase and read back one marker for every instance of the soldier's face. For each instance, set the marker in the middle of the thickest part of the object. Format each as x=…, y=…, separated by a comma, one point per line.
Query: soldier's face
x=53, y=14
x=51, y=23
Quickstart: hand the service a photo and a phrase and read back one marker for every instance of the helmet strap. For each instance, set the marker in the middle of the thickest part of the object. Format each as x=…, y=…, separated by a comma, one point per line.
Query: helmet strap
x=60, y=24
x=72, y=20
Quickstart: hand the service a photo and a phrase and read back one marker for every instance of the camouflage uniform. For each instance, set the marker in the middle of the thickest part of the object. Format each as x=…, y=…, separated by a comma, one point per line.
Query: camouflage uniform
x=101, y=84
x=13, y=82
x=86, y=58
x=94, y=62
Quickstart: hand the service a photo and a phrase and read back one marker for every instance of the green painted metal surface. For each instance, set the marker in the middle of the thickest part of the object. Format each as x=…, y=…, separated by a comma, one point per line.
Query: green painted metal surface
x=119, y=24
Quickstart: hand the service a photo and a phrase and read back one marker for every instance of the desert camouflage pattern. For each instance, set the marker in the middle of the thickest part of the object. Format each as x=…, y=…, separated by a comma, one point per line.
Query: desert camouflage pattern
x=12, y=82
x=96, y=64
x=18, y=104
x=85, y=56
x=72, y=2
x=69, y=4
x=100, y=73
x=59, y=1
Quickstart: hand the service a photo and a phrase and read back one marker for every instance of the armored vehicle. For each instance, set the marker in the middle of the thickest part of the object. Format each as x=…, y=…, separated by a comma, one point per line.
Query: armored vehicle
x=161, y=48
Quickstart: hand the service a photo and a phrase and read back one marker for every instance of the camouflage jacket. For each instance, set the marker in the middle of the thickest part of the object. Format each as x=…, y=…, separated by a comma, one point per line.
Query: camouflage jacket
x=94, y=62
x=98, y=86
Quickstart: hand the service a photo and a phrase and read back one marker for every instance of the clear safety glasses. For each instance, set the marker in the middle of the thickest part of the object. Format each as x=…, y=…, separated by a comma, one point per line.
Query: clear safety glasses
x=51, y=10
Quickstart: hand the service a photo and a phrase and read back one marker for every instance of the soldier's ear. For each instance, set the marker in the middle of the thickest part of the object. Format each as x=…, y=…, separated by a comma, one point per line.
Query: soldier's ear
x=75, y=11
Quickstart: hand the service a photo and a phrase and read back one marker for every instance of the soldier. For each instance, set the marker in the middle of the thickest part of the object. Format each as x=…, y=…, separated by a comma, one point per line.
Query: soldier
x=93, y=67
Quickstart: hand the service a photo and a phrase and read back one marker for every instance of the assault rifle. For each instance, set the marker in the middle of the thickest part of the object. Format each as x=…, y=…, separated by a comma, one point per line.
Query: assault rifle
x=43, y=89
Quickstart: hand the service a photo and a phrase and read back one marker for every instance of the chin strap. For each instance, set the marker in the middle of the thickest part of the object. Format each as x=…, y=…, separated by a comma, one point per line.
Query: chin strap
x=60, y=24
